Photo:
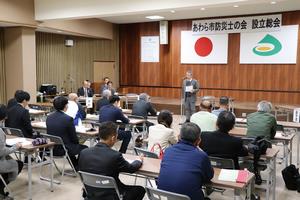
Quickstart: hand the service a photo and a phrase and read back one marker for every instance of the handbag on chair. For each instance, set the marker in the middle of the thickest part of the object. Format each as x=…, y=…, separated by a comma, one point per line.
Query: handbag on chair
x=161, y=152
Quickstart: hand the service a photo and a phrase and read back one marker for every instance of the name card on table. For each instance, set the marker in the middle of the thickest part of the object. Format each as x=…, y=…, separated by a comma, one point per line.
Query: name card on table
x=89, y=102
x=296, y=116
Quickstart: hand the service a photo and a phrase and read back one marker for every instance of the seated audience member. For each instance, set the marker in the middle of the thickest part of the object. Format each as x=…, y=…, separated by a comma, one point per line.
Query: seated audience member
x=12, y=102
x=220, y=144
x=184, y=167
x=18, y=116
x=103, y=160
x=104, y=100
x=204, y=119
x=112, y=112
x=162, y=133
x=62, y=125
x=75, y=109
x=85, y=90
x=144, y=108
x=110, y=87
x=262, y=123
x=104, y=86
x=224, y=106
x=9, y=168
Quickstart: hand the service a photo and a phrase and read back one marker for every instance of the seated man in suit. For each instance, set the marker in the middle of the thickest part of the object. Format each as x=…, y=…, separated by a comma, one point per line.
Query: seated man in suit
x=62, y=125
x=103, y=160
x=262, y=123
x=104, y=100
x=204, y=118
x=104, y=86
x=12, y=102
x=112, y=112
x=85, y=90
x=184, y=167
x=18, y=116
x=231, y=147
x=144, y=108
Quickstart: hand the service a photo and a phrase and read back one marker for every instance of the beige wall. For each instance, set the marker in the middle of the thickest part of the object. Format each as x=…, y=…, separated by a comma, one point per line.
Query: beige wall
x=95, y=28
x=17, y=12
x=67, y=67
x=20, y=63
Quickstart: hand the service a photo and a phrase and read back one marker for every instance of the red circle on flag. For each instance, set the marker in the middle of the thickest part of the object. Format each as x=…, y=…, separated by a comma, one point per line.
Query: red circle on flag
x=203, y=46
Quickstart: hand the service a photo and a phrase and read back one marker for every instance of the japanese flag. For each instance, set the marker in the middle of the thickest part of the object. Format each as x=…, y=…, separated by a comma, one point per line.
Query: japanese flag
x=203, y=49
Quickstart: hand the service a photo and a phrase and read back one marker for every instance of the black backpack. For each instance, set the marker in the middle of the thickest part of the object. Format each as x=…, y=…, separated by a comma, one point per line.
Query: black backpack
x=291, y=176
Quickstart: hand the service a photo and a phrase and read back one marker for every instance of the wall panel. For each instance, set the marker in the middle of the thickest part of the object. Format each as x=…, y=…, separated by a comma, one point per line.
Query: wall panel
x=278, y=83
x=67, y=67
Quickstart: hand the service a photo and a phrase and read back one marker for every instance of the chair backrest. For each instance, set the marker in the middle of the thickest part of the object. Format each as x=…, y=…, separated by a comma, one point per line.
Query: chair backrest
x=156, y=194
x=99, y=181
x=139, y=151
x=56, y=139
x=12, y=131
x=131, y=98
x=224, y=163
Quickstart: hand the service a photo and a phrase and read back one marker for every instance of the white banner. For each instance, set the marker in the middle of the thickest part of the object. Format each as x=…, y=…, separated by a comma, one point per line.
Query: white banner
x=150, y=49
x=237, y=25
x=296, y=115
x=203, y=49
x=270, y=47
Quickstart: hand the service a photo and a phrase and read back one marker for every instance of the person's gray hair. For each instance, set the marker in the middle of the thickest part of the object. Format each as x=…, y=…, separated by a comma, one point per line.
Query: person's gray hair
x=190, y=132
x=264, y=106
x=144, y=96
x=106, y=93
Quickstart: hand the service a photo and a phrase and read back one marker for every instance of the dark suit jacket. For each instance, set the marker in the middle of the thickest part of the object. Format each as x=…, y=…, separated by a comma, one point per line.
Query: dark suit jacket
x=142, y=108
x=112, y=113
x=101, y=102
x=60, y=124
x=18, y=117
x=90, y=91
x=103, y=160
x=223, y=145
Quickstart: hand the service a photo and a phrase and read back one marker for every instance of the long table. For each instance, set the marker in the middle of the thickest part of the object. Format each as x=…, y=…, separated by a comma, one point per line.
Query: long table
x=151, y=168
x=285, y=124
x=279, y=137
x=83, y=132
x=29, y=150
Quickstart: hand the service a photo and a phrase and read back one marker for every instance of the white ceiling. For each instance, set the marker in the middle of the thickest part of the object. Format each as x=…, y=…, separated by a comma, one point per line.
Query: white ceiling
x=132, y=11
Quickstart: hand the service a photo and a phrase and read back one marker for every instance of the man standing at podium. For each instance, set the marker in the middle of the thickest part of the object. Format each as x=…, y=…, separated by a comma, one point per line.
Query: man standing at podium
x=190, y=87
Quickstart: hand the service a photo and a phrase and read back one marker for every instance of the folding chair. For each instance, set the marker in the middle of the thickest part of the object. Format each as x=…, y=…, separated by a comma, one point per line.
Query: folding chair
x=156, y=194
x=58, y=141
x=7, y=188
x=144, y=152
x=98, y=181
x=222, y=163
x=14, y=132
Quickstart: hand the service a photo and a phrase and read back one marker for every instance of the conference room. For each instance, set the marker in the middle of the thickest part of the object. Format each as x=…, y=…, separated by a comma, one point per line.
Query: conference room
x=149, y=100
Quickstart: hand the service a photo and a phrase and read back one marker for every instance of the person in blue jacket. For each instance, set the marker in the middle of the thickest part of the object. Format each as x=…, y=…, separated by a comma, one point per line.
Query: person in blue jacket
x=185, y=167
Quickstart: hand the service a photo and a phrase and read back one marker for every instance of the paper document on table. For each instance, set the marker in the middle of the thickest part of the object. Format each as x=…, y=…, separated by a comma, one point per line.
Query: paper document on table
x=13, y=141
x=82, y=129
x=39, y=124
x=189, y=88
x=228, y=175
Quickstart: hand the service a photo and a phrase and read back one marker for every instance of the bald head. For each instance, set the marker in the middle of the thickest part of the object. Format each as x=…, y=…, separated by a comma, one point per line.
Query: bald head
x=205, y=105
x=73, y=97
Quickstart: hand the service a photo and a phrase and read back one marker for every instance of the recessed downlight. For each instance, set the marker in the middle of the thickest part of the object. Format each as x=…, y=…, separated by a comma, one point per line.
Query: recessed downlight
x=154, y=17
